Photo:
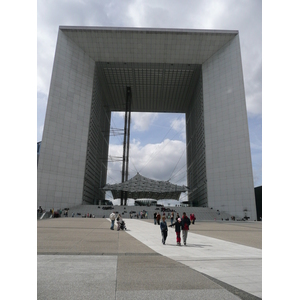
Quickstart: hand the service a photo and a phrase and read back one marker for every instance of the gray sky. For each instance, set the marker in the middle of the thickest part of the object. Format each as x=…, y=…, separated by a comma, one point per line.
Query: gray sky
x=157, y=142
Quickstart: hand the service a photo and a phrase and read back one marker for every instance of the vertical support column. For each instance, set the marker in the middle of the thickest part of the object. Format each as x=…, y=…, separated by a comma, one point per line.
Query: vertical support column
x=126, y=144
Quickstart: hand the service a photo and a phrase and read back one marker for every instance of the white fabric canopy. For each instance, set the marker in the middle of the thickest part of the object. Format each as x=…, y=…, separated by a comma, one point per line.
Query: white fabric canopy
x=140, y=187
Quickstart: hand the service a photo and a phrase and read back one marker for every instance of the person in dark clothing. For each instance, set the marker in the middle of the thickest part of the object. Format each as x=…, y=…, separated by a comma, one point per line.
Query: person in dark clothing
x=177, y=225
x=158, y=218
x=172, y=217
x=185, y=227
x=155, y=214
x=192, y=218
x=164, y=229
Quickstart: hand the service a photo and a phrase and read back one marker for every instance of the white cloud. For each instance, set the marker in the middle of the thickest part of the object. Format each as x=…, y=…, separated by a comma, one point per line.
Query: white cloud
x=179, y=126
x=254, y=105
x=142, y=121
x=256, y=146
x=253, y=88
x=40, y=132
x=156, y=161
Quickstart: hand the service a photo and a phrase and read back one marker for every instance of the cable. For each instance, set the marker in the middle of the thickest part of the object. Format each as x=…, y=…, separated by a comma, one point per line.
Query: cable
x=176, y=165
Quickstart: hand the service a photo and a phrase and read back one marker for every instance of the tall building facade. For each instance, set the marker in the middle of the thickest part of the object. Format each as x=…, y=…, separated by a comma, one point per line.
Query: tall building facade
x=196, y=72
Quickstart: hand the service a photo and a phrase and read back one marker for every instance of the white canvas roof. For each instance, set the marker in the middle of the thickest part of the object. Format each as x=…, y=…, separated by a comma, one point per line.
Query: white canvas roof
x=140, y=187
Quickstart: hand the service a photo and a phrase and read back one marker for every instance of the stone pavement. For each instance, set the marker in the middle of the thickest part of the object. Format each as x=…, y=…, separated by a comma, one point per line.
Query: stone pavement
x=81, y=258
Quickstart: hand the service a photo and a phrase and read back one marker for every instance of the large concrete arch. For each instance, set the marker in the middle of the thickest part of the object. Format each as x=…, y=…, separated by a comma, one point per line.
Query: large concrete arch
x=196, y=72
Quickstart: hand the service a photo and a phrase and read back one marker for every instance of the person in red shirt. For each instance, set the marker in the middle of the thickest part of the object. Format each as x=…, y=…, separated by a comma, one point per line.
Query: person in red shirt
x=192, y=218
x=177, y=225
x=185, y=223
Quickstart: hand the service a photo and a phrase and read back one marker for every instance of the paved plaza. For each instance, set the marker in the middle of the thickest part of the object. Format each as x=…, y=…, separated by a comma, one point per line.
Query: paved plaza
x=81, y=258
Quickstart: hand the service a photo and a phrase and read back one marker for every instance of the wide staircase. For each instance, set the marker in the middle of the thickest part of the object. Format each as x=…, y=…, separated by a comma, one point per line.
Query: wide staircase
x=147, y=212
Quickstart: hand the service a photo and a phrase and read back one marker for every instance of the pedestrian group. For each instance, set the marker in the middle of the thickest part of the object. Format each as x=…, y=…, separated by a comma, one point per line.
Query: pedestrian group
x=181, y=224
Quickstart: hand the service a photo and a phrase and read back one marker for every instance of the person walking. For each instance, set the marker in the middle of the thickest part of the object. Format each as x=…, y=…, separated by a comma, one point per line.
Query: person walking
x=172, y=217
x=164, y=229
x=155, y=215
x=112, y=217
x=177, y=225
x=185, y=227
x=158, y=218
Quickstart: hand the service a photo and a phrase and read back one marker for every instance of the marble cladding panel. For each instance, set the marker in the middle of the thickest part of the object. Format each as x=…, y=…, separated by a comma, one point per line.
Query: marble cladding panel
x=228, y=156
x=63, y=149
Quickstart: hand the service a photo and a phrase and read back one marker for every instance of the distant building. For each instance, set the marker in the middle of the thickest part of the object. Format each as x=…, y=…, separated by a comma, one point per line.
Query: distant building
x=38, y=151
x=195, y=72
x=258, y=200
